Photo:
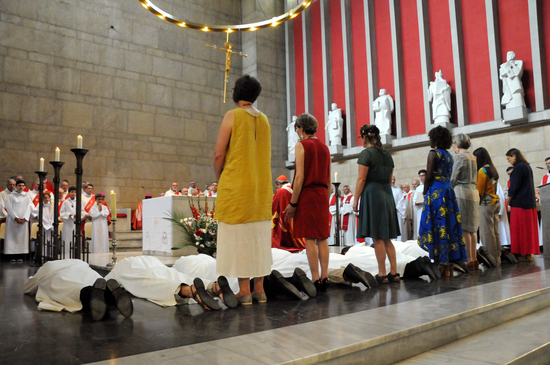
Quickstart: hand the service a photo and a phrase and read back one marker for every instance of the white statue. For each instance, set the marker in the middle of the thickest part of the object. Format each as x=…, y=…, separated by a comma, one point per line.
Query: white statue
x=292, y=136
x=383, y=107
x=512, y=88
x=334, y=126
x=439, y=93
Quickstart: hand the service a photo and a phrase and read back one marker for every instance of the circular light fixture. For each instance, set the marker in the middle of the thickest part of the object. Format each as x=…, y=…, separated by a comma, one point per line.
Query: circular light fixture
x=273, y=22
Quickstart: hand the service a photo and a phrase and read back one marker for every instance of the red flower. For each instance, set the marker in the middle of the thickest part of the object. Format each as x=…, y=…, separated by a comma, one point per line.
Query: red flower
x=198, y=233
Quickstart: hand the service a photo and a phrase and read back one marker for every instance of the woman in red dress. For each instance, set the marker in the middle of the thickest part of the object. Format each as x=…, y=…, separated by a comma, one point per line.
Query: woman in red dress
x=310, y=198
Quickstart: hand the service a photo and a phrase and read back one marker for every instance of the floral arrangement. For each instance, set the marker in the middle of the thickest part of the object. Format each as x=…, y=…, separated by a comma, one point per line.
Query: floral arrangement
x=201, y=229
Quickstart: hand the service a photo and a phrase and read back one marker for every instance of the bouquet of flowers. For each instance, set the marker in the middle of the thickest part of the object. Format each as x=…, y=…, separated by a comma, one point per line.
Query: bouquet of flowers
x=201, y=229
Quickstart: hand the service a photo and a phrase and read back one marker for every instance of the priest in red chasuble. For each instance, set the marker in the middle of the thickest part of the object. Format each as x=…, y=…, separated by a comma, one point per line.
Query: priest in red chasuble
x=281, y=231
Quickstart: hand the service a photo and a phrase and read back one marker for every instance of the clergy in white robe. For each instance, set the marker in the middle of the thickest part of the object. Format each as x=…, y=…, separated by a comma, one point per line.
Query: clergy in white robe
x=349, y=221
x=401, y=208
x=173, y=190
x=100, y=228
x=10, y=188
x=332, y=212
x=418, y=205
x=68, y=214
x=58, y=283
x=19, y=208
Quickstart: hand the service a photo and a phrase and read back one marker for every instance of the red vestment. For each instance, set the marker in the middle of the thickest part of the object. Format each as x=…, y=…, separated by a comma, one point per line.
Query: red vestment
x=137, y=218
x=281, y=231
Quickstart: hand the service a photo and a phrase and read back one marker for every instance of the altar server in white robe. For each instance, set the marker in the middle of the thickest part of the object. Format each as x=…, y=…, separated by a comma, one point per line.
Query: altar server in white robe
x=19, y=208
x=418, y=202
x=348, y=217
x=100, y=228
x=10, y=188
x=503, y=224
x=401, y=208
x=47, y=216
x=68, y=214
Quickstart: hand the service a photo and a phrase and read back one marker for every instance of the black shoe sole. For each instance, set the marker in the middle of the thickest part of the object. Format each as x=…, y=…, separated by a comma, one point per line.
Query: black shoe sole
x=427, y=268
x=229, y=298
x=206, y=299
x=98, y=306
x=284, y=286
x=302, y=283
x=356, y=275
x=123, y=300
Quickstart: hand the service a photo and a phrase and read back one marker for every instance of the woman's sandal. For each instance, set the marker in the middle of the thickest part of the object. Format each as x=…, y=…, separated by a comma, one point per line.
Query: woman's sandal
x=394, y=278
x=222, y=290
x=201, y=296
x=382, y=279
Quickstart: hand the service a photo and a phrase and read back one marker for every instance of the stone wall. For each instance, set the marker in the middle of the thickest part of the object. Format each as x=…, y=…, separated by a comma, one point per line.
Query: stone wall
x=531, y=140
x=145, y=94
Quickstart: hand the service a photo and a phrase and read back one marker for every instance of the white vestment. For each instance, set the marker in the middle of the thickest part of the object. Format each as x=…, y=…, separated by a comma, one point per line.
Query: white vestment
x=16, y=241
x=417, y=210
x=503, y=225
x=332, y=211
x=100, y=229
x=347, y=209
x=47, y=220
x=148, y=278
x=401, y=208
x=58, y=283
x=170, y=193
x=68, y=208
x=3, y=200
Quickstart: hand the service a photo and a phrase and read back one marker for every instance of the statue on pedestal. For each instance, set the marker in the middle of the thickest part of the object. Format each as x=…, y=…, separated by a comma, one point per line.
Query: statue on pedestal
x=439, y=93
x=334, y=126
x=292, y=136
x=512, y=88
x=383, y=107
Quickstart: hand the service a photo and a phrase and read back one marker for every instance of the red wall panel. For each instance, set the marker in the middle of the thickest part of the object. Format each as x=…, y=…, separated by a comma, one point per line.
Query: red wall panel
x=442, y=49
x=383, y=54
x=317, y=65
x=476, y=61
x=360, y=67
x=337, y=56
x=299, y=65
x=412, y=70
x=515, y=36
x=546, y=29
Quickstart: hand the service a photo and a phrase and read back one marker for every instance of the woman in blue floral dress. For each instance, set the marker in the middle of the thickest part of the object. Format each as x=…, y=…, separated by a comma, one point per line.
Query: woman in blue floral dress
x=440, y=228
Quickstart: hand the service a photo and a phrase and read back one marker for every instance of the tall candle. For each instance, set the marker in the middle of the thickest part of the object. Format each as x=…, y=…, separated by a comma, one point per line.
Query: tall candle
x=57, y=153
x=41, y=164
x=113, y=204
x=79, y=141
x=335, y=177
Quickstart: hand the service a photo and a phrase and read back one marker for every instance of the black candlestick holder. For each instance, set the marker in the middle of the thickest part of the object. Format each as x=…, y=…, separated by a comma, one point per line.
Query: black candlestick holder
x=337, y=228
x=114, y=261
x=79, y=154
x=56, y=242
x=39, y=244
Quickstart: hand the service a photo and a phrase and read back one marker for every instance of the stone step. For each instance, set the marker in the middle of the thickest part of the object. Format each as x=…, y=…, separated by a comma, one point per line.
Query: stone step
x=524, y=340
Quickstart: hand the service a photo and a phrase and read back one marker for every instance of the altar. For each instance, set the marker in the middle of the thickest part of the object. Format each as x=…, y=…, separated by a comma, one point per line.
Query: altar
x=159, y=234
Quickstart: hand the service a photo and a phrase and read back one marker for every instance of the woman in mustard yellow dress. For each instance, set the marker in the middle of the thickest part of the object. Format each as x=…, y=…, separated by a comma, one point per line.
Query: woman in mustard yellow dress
x=242, y=162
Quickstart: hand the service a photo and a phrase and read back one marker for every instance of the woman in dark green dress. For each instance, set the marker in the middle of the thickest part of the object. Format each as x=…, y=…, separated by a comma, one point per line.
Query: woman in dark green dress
x=377, y=214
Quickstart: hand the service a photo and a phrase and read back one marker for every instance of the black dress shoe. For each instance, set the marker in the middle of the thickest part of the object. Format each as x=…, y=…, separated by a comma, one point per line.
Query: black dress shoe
x=507, y=256
x=98, y=306
x=483, y=258
x=354, y=274
x=123, y=299
x=427, y=267
x=434, y=267
x=461, y=266
x=300, y=280
x=282, y=286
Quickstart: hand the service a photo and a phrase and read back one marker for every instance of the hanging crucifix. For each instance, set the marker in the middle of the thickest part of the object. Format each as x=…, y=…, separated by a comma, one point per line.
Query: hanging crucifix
x=228, y=49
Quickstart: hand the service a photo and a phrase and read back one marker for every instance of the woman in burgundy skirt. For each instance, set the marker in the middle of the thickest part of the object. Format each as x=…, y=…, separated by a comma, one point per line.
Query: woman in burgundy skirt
x=310, y=198
x=523, y=212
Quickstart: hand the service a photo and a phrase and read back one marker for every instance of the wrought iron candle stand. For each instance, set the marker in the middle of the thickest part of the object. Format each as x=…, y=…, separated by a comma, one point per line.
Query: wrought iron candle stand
x=56, y=242
x=337, y=241
x=79, y=154
x=114, y=261
x=40, y=235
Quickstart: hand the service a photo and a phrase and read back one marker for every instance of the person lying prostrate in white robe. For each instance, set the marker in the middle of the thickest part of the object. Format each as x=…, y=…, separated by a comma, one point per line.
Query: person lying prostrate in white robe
x=148, y=278
x=68, y=214
x=19, y=208
x=100, y=228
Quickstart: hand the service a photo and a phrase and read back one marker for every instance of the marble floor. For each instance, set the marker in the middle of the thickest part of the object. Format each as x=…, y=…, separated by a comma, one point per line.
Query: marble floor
x=279, y=329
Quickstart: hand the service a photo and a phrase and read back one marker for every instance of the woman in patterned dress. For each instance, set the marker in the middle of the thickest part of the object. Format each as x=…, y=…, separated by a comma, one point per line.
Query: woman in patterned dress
x=440, y=230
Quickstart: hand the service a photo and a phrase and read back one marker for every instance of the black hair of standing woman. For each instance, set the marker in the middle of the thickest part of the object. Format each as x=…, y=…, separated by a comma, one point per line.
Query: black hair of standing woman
x=247, y=88
x=440, y=137
x=483, y=159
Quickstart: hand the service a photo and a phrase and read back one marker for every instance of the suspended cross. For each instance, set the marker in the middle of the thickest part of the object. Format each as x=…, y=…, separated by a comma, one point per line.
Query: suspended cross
x=228, y=49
